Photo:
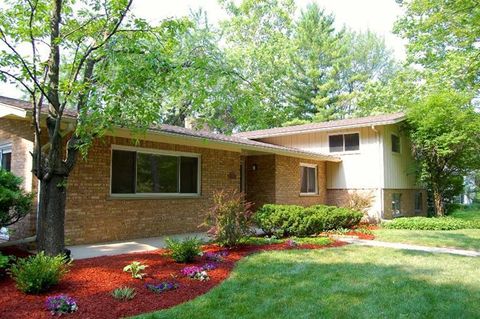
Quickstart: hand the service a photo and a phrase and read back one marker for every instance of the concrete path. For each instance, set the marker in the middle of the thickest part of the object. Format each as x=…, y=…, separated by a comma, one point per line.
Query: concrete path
x=376, y=243
x=125, y=247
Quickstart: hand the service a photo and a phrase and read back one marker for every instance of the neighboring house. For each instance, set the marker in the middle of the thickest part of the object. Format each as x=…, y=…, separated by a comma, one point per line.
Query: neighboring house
x=163, y=184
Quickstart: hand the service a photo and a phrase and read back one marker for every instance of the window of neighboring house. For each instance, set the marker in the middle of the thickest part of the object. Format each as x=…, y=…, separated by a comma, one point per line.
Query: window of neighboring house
x=396, y=204
x=344, y=142
x=418, y=202
x=308, y=179
x=395, y=143
x=135, y=172
x=6, y=157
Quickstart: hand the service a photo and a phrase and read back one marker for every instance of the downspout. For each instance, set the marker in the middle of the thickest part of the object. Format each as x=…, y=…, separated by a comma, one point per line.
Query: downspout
x=382, y=171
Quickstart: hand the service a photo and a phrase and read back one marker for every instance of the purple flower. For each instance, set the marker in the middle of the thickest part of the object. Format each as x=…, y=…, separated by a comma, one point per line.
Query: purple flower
x=218, y=256
x=162, y=287
x=61, y=304
x=209, y=266
x=191, y=271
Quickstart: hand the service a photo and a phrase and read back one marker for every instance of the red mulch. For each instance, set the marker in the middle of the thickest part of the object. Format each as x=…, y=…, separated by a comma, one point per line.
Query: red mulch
x=90, y=282
x=361, y=235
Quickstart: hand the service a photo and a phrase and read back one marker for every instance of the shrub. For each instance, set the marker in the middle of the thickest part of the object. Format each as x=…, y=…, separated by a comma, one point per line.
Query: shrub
x=299, y=221
x=61, y=304
x=230, y=218
x=15, y=203
x=431, y=223
x=184, y=251
x=124, y=293
x=359, y=202
x=136, y=268
x=4, y=260
x=38, y=273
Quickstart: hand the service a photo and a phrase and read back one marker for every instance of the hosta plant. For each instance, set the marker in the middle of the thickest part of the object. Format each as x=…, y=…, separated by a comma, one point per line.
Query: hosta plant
x=136, y=268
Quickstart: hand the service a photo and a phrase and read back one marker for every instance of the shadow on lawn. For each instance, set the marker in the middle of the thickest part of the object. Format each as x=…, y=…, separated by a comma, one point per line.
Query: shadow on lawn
x=275, y=286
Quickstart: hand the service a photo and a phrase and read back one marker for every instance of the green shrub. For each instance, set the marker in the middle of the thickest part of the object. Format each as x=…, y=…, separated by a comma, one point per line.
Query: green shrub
x=184, y=251
x=298, y=221
x=15, y=203
x=4, y=260
x=38, y=273
x=136, y=268
x=230, y=218
x=431, y=223
x=124, y=293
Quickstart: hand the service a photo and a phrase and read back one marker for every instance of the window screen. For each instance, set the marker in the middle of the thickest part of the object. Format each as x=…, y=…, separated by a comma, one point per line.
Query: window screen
x=335, y=143
x=123, y=172
x=352, y=142
x=395, y=143
x=308, y=180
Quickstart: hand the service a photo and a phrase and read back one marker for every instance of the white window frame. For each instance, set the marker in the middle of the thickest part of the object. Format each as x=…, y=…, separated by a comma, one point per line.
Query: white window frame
x=343, y=134
x=5, y=149
x=315, y=166
x=399, y=143
x=156, y=152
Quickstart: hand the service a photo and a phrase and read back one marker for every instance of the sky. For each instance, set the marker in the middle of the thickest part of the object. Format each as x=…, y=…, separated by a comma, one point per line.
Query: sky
x=359, y=15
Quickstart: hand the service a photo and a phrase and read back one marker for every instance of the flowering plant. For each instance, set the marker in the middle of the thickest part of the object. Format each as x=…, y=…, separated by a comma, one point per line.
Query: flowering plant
x=291, y=243
x=209, y=266
x=195, y=272
x=217, y=257
x=162, y=287
x=61, y=304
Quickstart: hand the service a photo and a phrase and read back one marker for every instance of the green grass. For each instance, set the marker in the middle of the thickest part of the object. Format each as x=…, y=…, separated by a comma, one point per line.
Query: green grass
x=347, y=282
x=469, y=213
x=463, y=238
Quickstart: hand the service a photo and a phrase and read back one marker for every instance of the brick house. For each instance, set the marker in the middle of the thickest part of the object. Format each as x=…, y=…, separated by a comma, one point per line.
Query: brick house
x=162, y=184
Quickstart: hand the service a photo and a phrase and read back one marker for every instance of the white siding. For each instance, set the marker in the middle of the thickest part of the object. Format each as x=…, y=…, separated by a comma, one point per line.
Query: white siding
x=399, y=168
x=362, y=169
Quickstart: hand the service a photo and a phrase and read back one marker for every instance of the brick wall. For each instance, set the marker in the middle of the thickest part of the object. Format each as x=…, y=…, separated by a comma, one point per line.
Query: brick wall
x=407, y=202
x=20, y=135
x=93, y=216
x=260, y=183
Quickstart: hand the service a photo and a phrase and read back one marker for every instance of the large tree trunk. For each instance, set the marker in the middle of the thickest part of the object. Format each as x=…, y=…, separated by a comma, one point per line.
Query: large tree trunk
x=438, y=203
x=51, y=236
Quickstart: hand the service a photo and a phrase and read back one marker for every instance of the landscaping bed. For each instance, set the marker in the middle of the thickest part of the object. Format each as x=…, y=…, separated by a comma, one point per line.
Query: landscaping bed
x=91, y=281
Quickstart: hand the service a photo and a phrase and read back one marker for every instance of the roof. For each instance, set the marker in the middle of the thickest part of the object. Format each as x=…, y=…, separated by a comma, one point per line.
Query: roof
x=373, y=120
x=27, y=106
x=165, y=129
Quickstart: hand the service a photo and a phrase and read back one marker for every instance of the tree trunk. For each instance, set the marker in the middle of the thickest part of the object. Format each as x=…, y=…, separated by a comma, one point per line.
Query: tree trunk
x=51, y=235
x=438, y=202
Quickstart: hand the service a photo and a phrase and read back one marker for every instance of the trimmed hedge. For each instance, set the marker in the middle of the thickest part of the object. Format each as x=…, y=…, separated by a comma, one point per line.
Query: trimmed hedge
x=288, y=220
x=430, y=223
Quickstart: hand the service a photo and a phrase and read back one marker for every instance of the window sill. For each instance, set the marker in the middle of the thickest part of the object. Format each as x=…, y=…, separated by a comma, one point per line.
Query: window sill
x=308, y=194
x=345, y=153
x=153, y=196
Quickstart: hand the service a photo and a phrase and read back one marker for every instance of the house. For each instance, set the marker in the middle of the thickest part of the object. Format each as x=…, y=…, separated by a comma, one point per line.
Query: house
x=163, y=184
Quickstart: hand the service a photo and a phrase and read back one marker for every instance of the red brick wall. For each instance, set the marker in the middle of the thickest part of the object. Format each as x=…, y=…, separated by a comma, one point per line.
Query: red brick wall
x=93, y=216
x=20, y=134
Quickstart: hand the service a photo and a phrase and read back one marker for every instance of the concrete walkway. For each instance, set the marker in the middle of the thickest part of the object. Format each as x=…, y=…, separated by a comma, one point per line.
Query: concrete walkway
x=126, y=247
x=376, y=243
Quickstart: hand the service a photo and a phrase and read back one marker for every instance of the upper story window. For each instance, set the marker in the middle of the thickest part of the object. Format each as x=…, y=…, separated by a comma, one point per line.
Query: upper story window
x=139, y=172
x=6, y=157
x=308, y=180
x=395, y=143
x=344, y=142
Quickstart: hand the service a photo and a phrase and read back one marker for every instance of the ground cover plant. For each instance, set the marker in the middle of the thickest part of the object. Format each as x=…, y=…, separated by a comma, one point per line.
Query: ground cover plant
x=62, y=304
x=429, y=223
x=124, y=293
x=345, y=282
x=91, y=282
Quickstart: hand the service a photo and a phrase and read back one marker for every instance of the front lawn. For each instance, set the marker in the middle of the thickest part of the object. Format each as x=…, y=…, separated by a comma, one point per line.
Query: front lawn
x=347, y=282
x=470, y=213
x=462, y=238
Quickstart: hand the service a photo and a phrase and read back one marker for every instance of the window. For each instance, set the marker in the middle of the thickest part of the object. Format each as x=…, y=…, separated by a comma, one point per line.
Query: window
x=396, y=204
x=135, y=172
x=6, y=157
x=308, y=179
x=418, y=202
x=395, y=143
x=344, y=142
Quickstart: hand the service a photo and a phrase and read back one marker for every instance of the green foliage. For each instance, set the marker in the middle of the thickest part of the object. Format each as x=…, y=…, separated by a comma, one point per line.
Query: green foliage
x=124, y=293
x=230, y=217
x=184, y=251
x=429, y=223
x=299, y=221
x=136, y=268
x=38, y=273
x=4, y=261
x=15, y=203
x=444, y=130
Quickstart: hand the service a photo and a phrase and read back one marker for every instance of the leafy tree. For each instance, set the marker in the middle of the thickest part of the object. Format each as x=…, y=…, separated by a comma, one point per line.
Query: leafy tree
x=445, y=133
x=443, y=38
x=56, y=50
x=15, y=203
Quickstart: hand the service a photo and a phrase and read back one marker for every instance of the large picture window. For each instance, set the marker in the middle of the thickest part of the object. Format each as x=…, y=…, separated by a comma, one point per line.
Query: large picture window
x=308, y=184
x=344, y=142
x=6, y=157
x=138, y=172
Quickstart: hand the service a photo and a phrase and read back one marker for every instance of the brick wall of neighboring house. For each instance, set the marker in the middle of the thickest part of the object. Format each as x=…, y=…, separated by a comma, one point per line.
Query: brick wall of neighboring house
x=19, y=134
x=93, y=216
x=277, y=180
x=407, y=200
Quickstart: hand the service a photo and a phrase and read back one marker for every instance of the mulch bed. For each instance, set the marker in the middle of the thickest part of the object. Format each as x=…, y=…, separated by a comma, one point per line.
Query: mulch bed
x=91, y=281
